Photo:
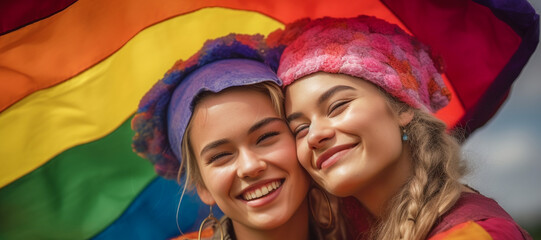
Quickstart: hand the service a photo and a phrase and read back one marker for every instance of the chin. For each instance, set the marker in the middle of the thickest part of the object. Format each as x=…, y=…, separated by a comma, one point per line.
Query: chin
x=268, y=222
x=339, y=192
x=341, y=187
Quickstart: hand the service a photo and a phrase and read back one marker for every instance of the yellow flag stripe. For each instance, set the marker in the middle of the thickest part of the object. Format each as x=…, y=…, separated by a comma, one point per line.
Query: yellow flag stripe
x=95, y=102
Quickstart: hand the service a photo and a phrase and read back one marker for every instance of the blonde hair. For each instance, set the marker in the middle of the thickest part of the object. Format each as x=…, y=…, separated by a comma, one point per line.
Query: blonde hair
x=188, y=165
x=434, y=186
x=193, y=175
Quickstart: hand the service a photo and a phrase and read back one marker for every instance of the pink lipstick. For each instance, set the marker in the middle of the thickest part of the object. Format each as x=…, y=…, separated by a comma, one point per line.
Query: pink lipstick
x=332, y=155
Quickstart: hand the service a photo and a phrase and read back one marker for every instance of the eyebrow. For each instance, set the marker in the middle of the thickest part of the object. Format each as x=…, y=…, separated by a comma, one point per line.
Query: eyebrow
x=262, y=123
x=324, y=97
x=329, y=93
x=293, y=116
x=252, y=129
x=212, y=145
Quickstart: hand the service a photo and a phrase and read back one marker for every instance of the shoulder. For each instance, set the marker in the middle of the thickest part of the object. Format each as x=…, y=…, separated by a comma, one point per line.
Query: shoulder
x=212, y=233
x=488, y=229
x=475, y=214
x=500, y=228
x=206, y=233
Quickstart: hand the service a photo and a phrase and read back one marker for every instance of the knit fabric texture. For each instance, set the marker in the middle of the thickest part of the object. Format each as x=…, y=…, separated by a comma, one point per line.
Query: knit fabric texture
x=365, y=47
x=165, y=110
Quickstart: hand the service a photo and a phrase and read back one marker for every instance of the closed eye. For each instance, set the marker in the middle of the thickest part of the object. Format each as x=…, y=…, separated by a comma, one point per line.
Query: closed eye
x=217, y=157
x=300, y=131
x=266, y=136
x=336, y=107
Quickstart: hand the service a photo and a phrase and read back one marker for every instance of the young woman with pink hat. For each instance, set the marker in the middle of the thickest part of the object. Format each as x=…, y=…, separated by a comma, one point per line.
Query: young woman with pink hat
x=359, y=98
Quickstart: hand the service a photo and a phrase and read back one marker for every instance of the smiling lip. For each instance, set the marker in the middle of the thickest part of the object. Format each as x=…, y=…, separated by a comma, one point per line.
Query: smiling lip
x=332, y=155
x=261, y=193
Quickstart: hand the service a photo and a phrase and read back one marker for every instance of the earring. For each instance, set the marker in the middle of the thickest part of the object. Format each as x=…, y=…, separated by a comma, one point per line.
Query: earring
x=313, y=205
x=404, y=135
x=210, y=217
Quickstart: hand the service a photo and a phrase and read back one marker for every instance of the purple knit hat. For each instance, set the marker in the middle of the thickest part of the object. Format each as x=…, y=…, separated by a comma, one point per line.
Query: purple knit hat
x=364, y=47
x=165, y=110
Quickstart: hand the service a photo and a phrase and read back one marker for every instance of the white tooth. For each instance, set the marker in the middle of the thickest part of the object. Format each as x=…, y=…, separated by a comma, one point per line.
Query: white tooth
x=264, y=190
x=258, y=193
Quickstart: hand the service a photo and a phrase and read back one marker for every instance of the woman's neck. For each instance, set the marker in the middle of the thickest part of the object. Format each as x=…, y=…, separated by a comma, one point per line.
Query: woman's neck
x=297, y=227
x=376, y=194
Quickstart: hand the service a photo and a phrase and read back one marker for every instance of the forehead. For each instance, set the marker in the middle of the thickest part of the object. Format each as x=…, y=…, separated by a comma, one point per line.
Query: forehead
x=229, y=114
x=233, y=99
x=320, y=81
x=316, y=84
x=310, y=90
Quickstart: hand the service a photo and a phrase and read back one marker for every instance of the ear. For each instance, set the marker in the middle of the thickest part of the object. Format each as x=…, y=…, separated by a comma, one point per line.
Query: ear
x=405, y=117
x=204, y=194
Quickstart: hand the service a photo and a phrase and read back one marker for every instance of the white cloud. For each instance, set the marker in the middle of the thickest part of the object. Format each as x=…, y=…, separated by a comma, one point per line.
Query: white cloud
x=505, y=161
x=507, y=148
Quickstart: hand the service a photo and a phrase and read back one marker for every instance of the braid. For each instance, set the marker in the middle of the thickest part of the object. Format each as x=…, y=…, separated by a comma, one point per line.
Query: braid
x=434, y=186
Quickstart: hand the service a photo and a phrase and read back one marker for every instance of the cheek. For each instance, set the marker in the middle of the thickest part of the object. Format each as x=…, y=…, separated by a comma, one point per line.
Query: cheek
x=365, y=118
x=387, y=141
x=304, y=154
x=384, y=139
x=353, y=121
x=283, y=154
x=217, y=186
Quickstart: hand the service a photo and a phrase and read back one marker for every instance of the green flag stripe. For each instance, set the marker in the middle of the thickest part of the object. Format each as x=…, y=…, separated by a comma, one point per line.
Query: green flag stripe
x=76, y=194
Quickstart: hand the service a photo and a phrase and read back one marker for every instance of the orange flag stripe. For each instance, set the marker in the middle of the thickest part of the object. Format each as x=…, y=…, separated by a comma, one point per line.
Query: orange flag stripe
x=94, y=103
x=55, y=49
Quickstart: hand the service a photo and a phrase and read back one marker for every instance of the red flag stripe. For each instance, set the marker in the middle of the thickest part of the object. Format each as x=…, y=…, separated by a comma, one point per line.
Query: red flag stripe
x=18, y=13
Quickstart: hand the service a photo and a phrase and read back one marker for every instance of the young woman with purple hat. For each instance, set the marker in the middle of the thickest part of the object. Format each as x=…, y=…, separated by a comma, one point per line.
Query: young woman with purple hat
x=359, y=94
x=217, y=118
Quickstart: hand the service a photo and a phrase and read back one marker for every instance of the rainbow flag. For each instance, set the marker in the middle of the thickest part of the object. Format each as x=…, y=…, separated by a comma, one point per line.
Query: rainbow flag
x=72, y=73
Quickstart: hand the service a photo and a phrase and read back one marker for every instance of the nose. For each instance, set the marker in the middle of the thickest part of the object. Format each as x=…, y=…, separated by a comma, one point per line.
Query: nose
x=250, y=164
x=319, y=133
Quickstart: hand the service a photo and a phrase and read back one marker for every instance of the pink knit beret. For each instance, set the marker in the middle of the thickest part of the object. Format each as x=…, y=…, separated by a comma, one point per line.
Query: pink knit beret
x=365, y=47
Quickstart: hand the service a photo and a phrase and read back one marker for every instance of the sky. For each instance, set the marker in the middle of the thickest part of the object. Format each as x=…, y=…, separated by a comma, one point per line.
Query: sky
x=504, y=156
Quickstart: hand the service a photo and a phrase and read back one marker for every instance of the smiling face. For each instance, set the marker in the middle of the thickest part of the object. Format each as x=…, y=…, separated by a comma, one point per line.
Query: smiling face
x=347, y=137
x=246, y=157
